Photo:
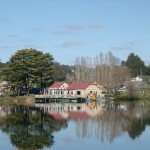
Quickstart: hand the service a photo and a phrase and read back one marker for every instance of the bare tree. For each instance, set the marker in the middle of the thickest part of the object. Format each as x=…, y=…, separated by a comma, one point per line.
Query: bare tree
x=105, y=69
x=132, y=90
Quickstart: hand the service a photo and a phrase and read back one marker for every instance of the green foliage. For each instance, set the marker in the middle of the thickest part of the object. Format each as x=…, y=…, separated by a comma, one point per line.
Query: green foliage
x=29, y=68
x=28, y=130
x=148, y=70
x=60, y=71
x=2, y=65
x=136, y=129
x=135, y=63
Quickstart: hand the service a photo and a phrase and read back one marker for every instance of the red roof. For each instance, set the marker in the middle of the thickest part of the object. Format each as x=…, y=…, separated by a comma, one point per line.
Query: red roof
x=78, y=85
x=57, y=116
x=72, y=115
x=56, y=84
x=78, y=115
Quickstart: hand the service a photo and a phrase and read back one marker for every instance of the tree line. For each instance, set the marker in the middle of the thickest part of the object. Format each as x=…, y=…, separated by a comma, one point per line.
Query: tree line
x=104, y=69
x=30, y=68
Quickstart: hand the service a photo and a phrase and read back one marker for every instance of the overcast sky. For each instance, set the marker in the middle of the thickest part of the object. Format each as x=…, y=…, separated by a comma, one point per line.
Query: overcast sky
x=72, y=28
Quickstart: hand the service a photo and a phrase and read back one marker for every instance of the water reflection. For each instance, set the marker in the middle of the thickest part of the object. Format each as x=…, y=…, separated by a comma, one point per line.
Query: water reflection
x=29, y=127
x=33, y=127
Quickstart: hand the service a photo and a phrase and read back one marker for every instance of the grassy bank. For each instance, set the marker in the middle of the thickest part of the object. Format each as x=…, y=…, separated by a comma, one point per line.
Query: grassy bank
x=17, y=100
x=143, y=94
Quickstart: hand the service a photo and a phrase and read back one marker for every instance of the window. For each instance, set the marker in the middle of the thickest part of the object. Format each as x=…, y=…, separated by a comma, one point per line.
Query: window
x=50, y=92
x=61, y=92
x=78, y=92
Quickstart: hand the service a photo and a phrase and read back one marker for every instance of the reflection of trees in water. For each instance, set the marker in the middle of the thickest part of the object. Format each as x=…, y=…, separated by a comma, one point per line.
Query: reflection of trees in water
x=139, y=116
x=104, y=127
x=30, y=128
x=111, y=124
x=114, y=122
x=83, y=128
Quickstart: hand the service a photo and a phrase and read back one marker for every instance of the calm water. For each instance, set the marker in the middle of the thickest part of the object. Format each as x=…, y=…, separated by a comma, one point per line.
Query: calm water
x=124, y=126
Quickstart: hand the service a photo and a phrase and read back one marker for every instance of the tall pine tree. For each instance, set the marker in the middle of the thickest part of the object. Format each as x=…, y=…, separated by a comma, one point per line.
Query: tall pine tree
x=29, y=68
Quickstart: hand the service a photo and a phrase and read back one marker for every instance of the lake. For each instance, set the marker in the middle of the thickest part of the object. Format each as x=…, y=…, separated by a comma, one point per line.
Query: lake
x=75, y=126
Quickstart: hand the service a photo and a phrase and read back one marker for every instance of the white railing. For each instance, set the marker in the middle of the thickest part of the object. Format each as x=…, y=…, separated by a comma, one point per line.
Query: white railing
x=59, y=96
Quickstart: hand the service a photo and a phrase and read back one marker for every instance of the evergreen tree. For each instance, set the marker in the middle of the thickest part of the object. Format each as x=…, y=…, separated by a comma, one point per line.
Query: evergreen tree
x=135, y=63
x=29, y=68
x=60, y=71
x=148, y=70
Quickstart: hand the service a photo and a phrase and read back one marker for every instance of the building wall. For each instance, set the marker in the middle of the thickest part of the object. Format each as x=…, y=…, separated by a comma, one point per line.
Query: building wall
x=64, y=86
x=93, y=89
x=90, y=90
x=60, y=91
x=76, y=93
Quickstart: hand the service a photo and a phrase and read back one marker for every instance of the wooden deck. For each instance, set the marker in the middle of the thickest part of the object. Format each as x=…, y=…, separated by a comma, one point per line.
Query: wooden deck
x=58, y=99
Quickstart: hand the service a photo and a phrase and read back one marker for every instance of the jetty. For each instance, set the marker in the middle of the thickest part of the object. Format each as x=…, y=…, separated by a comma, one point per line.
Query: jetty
x=58, y=99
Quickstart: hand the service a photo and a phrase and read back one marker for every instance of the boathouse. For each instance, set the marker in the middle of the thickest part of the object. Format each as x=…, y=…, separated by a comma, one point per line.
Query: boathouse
x=84, y=89
x=58, y=89
x=75, y=92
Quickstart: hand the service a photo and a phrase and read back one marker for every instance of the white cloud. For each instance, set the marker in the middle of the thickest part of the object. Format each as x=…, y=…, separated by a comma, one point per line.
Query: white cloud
x=73, y=27
x=13, y=36
x=69, y=44
x=130, y=45
x=39, y=29
x=63, y=32
x=95, y=26
x=4, y=20
x=5, y=47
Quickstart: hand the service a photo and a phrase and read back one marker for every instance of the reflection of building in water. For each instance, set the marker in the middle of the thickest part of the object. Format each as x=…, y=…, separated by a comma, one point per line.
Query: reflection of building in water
x=70, y=110
x=104, y=123
x=114, y=121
